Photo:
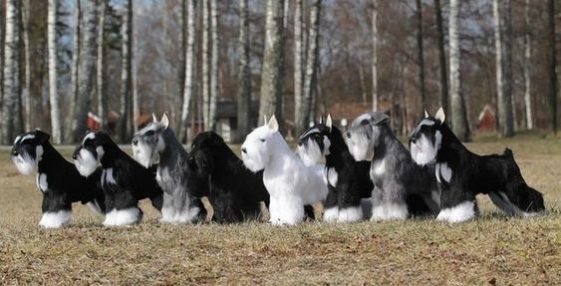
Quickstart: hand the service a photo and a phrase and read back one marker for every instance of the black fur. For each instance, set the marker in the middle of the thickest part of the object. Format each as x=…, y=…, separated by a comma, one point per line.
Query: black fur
x=234, y=192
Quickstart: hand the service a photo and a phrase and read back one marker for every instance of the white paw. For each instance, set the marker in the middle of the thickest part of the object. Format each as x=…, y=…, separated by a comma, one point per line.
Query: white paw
x=331, y=214
x=351, y=214
x=55, y=219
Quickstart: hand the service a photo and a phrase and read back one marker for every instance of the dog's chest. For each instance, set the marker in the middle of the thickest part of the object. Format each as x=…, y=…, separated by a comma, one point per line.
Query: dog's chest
x=108, y=178
x=42, y=183
x=443, y=173
x=332, y=177
x=165, y=180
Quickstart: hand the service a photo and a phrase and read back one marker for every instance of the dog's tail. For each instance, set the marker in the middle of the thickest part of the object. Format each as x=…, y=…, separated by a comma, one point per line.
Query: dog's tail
x=508, y=153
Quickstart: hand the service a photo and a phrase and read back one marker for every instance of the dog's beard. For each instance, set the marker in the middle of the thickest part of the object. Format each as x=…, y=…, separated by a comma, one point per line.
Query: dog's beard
x=86, y=163
x=423, y=151
x=145, y=155
x=360, y=147
x=24, y=163
x=254, y=162
x=310, y=153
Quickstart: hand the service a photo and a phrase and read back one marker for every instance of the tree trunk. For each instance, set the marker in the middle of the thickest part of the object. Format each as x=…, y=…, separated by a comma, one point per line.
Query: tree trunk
x=441, y=57
x=86, y=87
x=244, y=93
x=101, y=96
x=2, y=30
x=135, y=100
x=11, y=68
x=206, y=65
x=71, y=121
x=421, y=56
x=552, y=65
x=26, y=9
x=527, y=66
x=272, y=75
x=190, y=64
x=375, y=55
x=53, y=75
x=126, y=120
x=458, y=107
x=503, y=48
x=310, y=79
x=213, y=65
x=299, y=116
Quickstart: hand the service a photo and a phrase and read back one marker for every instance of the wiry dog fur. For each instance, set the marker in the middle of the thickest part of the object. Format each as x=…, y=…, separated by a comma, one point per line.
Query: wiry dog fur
x=181, y=203
x=401, y=188
x=57, y=179
x=349, y=180
x=234, y=192
x=462, y=174
x=290, y=183
x=123, y=180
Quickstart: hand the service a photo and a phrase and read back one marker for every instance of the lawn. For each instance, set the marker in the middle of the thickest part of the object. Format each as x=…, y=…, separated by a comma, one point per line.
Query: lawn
x=493, y=249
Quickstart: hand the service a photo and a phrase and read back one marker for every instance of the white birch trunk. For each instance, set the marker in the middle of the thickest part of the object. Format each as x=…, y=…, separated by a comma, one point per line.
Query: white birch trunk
x=206, y=65
x=71, y=119
x=126, y=120
x=310, y=79
x=11, y=82
x=458, y=109
x=501, y=17
x=213, y=65
x=27, y=50
x=101, y=97
x=244, y=93
x=299, y=116
x=527, y=67
x=190, y=65
x=375, y=55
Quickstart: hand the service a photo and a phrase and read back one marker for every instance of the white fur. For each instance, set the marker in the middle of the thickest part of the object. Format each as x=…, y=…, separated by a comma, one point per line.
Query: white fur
x=459, y=213
x=55, y=219
x=107, y=177
x=389, y=211
x=169, y=215
x=443, y=173
x=351, y=214
x=379, y=168
x=332, y=177
x=310, y=153
x=17, y=139
x=360, y=147
x=27, y=137
x=86, y=163
x=25, y=163
x=94, y=206
x=90, y=135
x=42, y=182
x=331, y=214
x=423, y=151
x=143, y=154
x=122, y=217
x=290, y=183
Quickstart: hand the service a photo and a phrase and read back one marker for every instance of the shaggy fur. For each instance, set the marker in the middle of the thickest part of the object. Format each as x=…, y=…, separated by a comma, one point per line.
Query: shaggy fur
x=290, y=183
x=401, y=188
x=123, y=180
x=57, y=179
x=461, y=174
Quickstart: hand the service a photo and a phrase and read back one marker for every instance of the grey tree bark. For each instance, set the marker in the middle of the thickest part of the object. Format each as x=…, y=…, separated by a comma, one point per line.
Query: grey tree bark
x=421, y=55
x=206, y=65
x=86, y=88
x=76, y=42
x=100, y=81
x=299, y=116
x=53, y=75
x=126, y=121
x=27, y=81
x=190, y=64
x=375, y=55
x=503, y=48
x=11, y=73
x=272, y=74
x=443, y=86
x=310, y=78
x=244, y=93
x=527, y=67
x=552, y=65
x=213, y=65
x=457, y=103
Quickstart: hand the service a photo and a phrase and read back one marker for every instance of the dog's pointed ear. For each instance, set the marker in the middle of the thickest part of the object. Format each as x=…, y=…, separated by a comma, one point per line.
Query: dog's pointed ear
x=264, y=120
x=329, y=122
x=42, y=137
x=440, y=115
x=427, y=114
x=273, y=124
x=379, y=117
x=165, y=120
x=154, y=118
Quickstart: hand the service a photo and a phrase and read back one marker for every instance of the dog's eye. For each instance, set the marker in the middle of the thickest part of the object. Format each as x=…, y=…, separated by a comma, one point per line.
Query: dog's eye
x=364, y=122
x=149, y=133
x=262, y=140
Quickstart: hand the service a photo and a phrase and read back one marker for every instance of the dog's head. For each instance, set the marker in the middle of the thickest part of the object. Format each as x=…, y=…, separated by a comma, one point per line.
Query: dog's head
x=364, y=134
x=148, y=142
x=314, y=143
x=426, y=138
x=88, y=155
x=258, y=145
x=204, y=149
x=28, y=149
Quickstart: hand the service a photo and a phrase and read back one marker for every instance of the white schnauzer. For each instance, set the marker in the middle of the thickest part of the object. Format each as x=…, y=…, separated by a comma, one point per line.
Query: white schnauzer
x=461, y=174
x=290, y=183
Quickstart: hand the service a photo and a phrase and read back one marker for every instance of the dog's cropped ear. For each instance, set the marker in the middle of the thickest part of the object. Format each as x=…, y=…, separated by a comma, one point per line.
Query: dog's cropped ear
x=440, y=116
x=427, y=114
x=329, y=122
x=154, y=118
x=273, y=124
x=379, y=117
x=42, y=137
x=165, y=120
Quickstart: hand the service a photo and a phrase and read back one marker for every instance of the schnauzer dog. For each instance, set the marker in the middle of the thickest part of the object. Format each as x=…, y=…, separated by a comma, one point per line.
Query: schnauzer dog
x=57, y=179
x=234, y=192
x=462, y=174
x=349, y=180
x=401, y=188
x=123, y=180
x=182, y=203
x=290, y=183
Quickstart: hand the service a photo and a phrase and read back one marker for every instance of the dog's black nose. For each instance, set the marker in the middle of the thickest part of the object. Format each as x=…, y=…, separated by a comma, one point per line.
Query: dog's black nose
x=15, y=153
x=348, y=134
x=413, y=139
x=244, y=150
x=134, y=141
x=300, y=143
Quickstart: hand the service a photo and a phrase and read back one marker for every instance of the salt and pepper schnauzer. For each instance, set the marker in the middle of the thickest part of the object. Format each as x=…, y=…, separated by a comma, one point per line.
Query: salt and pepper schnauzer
x=181, y=202
x=401, y=187
x=290, y=183
x=349, y=180
x=123, y=180
x=462, y=174
x=234, y=192
x=57, y=179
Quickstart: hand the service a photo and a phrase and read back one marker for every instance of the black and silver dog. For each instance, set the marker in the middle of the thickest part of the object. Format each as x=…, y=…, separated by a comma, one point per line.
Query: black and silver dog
x=234, y=192
x=123, y=180
x=349, y=180
x=462, y=174
x=157, y=142
x=401, y=187
x=57, y=179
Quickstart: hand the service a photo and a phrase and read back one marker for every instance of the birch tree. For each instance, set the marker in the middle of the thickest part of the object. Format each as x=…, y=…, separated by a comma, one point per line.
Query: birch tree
x=527, y=66
x=457, y=103
x=190, y=65
x=443, y=86
x=100, y=79
x=206, y=65
x=76, y=42
x=552, y=64
x=26, y=9
x=11, y=73
x=421, y=54
x=299, y=116
x=126, y=120
x=503, y=48
x=2, y=30
x=375, y=55
x=310, y=79
x=244, y=93
x=53, y=75
x=213, y=65
x=272, y=74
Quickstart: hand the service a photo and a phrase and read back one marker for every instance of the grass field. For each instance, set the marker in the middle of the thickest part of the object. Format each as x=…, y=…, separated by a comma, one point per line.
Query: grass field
x=491, y=250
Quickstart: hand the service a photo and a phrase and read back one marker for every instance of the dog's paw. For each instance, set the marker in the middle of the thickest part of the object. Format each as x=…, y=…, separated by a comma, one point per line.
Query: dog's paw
x=331, y=214
x=55, y=219
x=350, y=214
x=459, y=213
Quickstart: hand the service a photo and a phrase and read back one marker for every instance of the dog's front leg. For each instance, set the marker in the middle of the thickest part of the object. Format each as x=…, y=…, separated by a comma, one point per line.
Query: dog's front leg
x=388, y=203
x=55, y=215
x=458, y=205
x=331, y=209
x=167, y=209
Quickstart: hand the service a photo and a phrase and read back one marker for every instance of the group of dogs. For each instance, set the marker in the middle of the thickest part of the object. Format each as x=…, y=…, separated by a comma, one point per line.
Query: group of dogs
x=365, y=172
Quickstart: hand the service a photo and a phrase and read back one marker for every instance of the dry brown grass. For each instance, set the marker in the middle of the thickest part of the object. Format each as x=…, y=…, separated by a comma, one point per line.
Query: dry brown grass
x=492, y=249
